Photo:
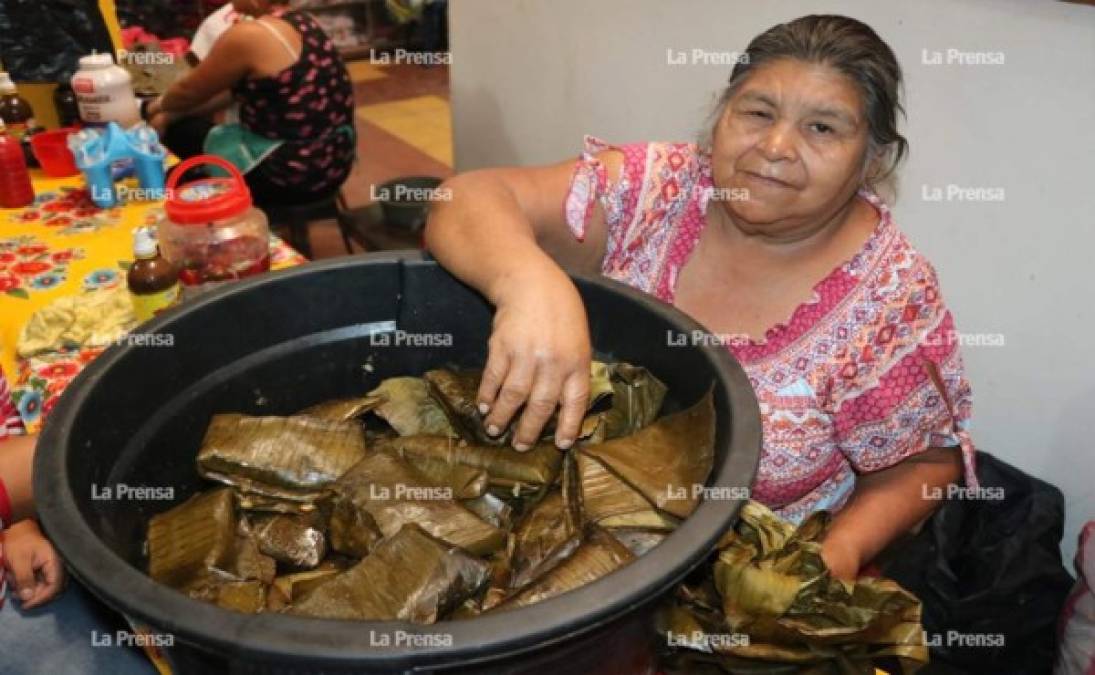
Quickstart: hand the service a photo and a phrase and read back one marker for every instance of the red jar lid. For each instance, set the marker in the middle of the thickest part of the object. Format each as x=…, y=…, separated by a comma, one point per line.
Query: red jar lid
x=209, y=199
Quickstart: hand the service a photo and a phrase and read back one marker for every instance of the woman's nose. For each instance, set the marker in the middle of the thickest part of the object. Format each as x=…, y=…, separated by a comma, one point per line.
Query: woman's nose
x=778, y=143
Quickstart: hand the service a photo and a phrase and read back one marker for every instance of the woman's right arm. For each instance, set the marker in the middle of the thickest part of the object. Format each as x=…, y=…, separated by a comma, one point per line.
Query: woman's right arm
x=503, y=232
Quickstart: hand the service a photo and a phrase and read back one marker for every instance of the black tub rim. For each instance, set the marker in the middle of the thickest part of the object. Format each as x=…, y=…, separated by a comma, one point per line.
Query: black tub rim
x=269, y=637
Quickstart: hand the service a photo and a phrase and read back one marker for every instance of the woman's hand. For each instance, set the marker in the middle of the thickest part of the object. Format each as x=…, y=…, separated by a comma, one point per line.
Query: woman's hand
x=34, y=569
x=539, y=356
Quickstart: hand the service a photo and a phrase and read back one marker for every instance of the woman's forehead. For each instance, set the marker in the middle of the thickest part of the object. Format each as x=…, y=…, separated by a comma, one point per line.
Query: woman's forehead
x=816, y=87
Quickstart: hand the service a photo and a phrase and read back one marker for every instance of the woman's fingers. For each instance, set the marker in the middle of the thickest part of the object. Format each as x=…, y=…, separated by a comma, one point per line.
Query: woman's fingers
x=539, y=407
x=21, y=573
x=573, y=408
x=494, y=374
x=511, y=396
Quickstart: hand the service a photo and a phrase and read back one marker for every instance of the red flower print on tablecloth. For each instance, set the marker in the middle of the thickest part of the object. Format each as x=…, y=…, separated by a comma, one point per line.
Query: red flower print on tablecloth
x=71, y=209
x=9, y=282
x=29, y=265
x=29, y=268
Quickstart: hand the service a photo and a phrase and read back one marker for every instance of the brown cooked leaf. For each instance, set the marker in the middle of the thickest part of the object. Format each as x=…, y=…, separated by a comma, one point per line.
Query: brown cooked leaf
x=286, y=457
x=394, y=494
x=406, y=404
x=504, y=467
x=666, y=460
x=193, y=538
x=598, y=554
x=410, y=576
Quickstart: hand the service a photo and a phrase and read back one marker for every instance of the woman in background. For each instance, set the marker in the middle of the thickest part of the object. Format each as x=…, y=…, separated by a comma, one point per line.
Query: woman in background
x=295, y=138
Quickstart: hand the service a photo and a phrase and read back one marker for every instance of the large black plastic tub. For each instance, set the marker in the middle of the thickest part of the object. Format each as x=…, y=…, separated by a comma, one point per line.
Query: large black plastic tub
x=278, y=343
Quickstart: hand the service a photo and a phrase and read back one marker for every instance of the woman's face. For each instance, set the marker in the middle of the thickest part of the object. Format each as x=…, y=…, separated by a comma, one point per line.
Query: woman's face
x=789, y=150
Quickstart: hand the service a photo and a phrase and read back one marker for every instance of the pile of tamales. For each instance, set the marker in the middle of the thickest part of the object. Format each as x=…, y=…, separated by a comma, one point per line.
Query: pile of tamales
x=399, y=506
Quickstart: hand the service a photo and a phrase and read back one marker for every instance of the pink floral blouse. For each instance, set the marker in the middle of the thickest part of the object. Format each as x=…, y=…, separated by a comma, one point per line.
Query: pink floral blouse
x=863, y=375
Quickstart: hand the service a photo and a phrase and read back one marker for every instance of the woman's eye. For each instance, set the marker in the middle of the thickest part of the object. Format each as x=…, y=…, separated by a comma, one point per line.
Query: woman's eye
x=762, y=114
x=822, y=128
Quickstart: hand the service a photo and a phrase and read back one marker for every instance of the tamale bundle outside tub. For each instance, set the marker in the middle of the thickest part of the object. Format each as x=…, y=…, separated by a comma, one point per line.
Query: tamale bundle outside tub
x=136, y=416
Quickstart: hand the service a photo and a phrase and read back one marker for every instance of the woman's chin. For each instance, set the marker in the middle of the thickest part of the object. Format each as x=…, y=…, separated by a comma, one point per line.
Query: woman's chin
x=758, y=211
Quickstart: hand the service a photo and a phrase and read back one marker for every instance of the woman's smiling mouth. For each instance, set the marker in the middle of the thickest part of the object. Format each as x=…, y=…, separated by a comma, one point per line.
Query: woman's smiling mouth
x=767, y=181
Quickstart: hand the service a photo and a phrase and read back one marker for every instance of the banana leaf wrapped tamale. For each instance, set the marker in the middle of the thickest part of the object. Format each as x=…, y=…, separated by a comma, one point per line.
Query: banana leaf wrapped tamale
x=491, y=509
x=191, y=539
x=466, y=481
x=543, y=529
x=595, y=554
x=343, y=409
x=457, y=392
x=406, y=404
x=253, y=503
x=351, y=529
x=287, y=457
x=299, y=541
x=410, y=576
x=610, y=502
x=636, y=399
x=247, y=561
x=666, y=461
x=289, y=587
x=393, y=494
x=505, y=468
x=248, y=597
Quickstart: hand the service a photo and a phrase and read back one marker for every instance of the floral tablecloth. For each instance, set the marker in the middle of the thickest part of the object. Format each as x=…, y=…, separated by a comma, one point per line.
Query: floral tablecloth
x=64, y=245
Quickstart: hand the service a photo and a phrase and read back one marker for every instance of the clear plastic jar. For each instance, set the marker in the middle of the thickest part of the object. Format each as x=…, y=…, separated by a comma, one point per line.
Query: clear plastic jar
x=211, y=230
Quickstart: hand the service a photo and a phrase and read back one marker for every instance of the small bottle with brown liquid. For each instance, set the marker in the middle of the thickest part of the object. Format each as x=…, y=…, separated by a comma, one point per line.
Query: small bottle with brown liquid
x=14, y=109
x=153, y=281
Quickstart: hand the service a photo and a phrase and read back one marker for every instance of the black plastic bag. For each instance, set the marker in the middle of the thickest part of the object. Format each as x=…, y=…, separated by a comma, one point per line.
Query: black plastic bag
x=42, y=40
x=987, y=567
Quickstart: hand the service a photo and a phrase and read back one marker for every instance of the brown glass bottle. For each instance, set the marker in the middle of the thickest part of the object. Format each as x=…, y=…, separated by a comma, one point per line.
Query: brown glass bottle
x=14, y=109
x=153, y=281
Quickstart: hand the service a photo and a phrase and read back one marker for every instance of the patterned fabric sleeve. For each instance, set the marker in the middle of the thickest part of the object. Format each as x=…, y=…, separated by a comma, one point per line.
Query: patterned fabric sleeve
x=589, y=186
x=907, y=390
x=10, y=422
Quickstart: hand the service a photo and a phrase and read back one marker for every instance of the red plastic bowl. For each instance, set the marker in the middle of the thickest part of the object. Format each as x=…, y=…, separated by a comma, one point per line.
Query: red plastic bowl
x=51, y=150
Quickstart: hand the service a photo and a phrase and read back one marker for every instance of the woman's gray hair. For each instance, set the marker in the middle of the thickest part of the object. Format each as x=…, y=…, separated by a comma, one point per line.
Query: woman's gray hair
x=852, y=48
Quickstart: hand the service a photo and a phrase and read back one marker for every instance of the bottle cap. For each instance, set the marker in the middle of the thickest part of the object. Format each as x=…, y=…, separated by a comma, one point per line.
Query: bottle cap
x=6, y=85
x=144, y=243
x=94, y=61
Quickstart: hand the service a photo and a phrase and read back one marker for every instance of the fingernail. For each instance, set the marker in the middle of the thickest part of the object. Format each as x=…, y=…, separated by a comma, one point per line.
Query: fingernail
x=484, y=408
x=521, y=447
x=26, y=594
x=564, y=443
x=493, y=430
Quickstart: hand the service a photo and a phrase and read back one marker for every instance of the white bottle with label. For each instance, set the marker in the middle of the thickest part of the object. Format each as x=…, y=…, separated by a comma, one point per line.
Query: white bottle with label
x=104, y=92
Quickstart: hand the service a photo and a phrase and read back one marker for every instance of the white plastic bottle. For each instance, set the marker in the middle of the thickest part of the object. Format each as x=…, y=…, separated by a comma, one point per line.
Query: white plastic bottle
x=104, y=92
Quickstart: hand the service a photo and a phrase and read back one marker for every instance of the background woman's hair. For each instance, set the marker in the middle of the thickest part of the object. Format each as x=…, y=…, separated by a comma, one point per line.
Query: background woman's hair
x=852, y=48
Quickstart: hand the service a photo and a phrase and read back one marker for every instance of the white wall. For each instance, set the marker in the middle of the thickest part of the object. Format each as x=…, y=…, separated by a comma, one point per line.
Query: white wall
x=530, y=77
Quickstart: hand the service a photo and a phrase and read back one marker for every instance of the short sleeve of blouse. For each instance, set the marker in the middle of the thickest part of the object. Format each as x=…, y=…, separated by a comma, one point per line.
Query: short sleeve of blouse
x=589, y=186
x=907, y=390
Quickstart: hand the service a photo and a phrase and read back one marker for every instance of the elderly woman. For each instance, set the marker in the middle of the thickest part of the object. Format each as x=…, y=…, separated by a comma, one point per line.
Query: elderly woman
x=295, y=138
x=769, y=234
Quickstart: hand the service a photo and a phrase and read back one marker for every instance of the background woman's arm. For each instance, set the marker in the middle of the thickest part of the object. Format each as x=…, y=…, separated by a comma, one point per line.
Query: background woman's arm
x=230, y=61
